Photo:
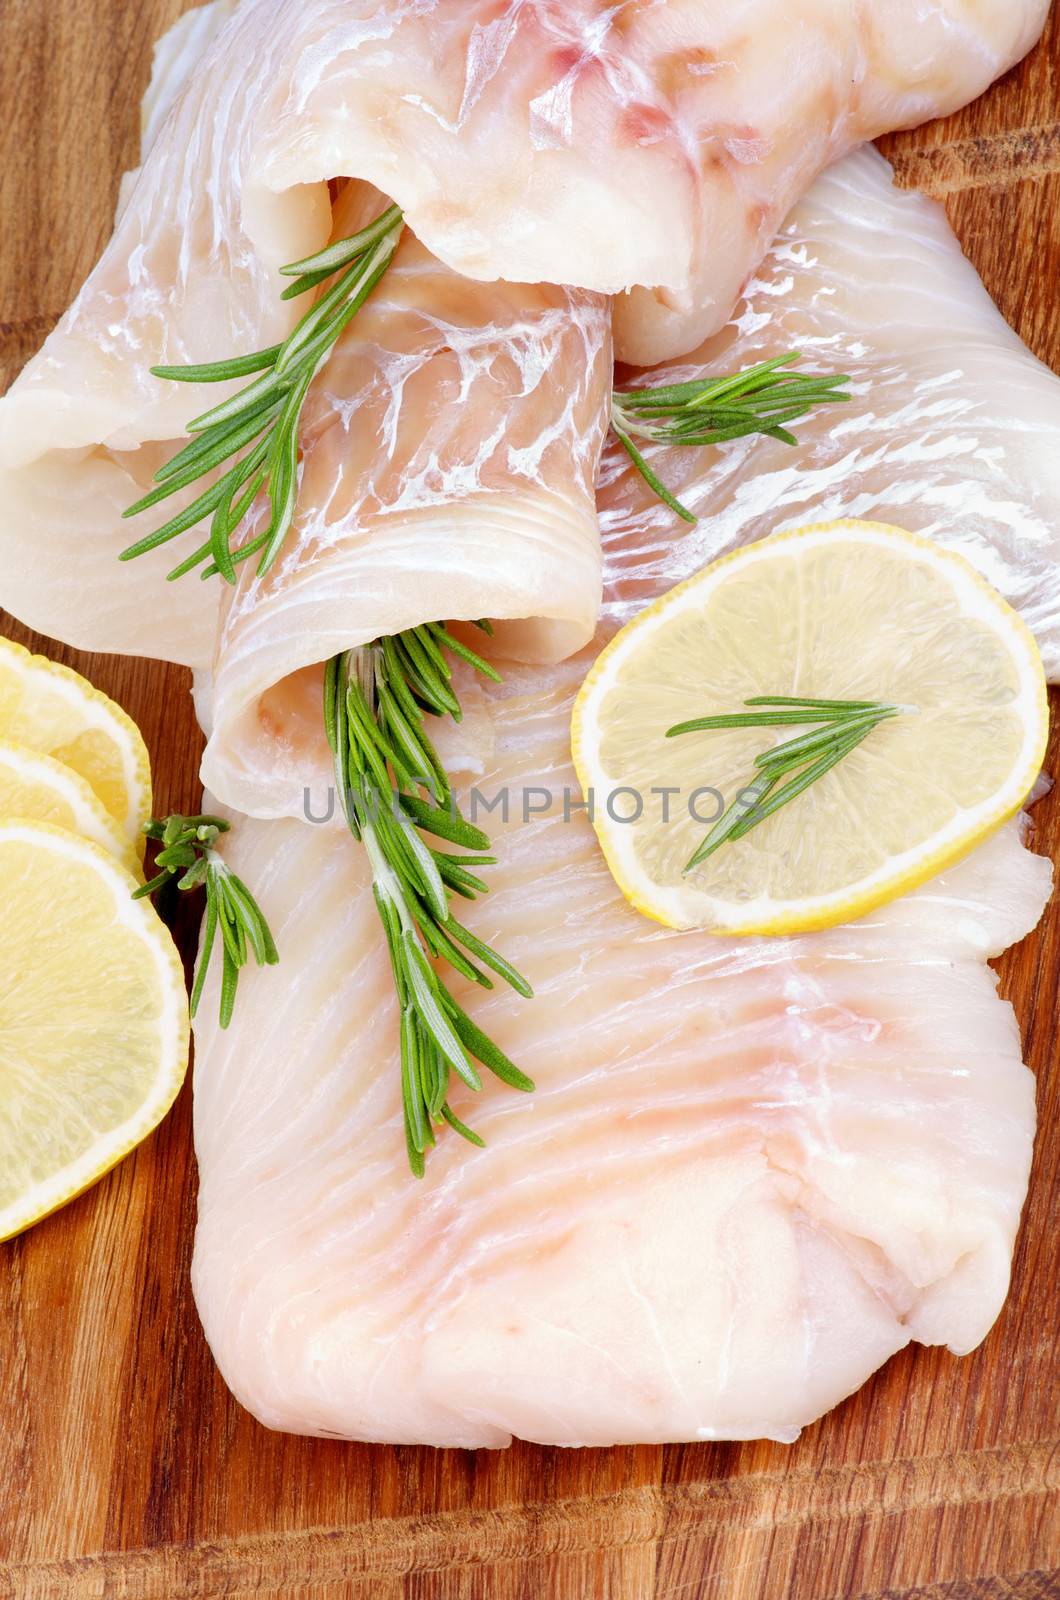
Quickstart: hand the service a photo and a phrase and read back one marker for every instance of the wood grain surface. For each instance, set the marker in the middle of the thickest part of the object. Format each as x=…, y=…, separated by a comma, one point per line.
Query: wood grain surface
x=127, y=1470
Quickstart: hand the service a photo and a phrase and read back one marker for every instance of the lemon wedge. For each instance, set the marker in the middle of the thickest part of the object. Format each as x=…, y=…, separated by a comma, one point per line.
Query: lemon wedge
x=93, y=1019
x=841, y=611
x=54, y=711
x=39, y=789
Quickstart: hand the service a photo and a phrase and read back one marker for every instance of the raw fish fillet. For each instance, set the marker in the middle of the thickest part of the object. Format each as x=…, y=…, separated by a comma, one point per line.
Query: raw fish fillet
x=655, y=144
x=952, y=431
x=450, y=450
x=176, y=56
x=751, y=1172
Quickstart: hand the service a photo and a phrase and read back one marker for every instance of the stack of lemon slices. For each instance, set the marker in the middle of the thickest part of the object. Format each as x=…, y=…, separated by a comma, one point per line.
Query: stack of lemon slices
x=93, y=1012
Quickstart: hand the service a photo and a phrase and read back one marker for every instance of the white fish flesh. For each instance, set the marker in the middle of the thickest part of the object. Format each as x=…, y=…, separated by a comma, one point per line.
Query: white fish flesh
x=449, y=457
x=449, y=450
x=654, y=144
x=833, y=1130
x=651, y=147
x=951, y=431
x=751, y=1171
x=177, y=54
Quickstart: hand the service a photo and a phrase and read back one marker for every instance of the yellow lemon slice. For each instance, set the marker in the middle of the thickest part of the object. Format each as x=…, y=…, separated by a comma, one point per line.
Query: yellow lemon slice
x=39, y=789
x=48, y=708
x=93, y=1019
x=844, y=611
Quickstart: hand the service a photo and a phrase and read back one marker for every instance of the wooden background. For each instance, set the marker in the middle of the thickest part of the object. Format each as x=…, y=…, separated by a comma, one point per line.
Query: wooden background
x=125, y=1467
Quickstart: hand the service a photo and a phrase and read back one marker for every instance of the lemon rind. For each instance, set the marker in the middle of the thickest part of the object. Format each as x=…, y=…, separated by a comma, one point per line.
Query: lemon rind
x=109, y=1149
x=102, y=714
x=767, y=916
x=92, y=820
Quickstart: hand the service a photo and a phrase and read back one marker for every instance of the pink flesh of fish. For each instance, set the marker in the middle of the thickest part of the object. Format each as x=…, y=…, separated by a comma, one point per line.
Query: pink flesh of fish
x=653, y=145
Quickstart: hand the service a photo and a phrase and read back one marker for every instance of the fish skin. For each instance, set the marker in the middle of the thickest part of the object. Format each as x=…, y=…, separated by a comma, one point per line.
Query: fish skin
x=655, y=145
x=950, y=431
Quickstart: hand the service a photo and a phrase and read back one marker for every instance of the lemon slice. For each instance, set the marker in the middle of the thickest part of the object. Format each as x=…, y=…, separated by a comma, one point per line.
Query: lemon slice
x=48, y=708
x=842, y=611
x=93, y=1019
x=39, y=789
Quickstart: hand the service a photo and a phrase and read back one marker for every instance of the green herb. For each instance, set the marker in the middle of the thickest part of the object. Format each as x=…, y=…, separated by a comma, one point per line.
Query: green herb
x=263, y=419
x=394, y=789
x=844, y=725
x=189, y=855
x=704, y=411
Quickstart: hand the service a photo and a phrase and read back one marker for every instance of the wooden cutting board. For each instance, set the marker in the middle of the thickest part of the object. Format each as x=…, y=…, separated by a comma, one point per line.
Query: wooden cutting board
x=125, y=1467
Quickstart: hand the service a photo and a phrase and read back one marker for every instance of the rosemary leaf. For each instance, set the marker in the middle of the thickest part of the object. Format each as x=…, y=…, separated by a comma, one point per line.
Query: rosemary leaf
x=796, y=751
x=842, y=726
x=812, y=705
x=462, y=1128
x=188, y=857
x=490, y=958
x=727, y=824
x=220, y=371
x=742, y=719
x=263, y=418
x=711, y=411
x=840, y=747
x=335, y=256
x=375, y=705
x=654, y=483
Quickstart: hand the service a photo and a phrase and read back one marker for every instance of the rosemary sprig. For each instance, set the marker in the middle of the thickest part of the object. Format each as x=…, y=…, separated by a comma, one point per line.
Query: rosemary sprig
x=842, y=726
x=394, y=789
x=263, y=419
x=188, y=854
x=704, y=411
